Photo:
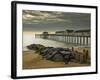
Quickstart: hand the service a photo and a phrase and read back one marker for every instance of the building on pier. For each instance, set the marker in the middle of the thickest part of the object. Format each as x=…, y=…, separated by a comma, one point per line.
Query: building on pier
x=45, y=35
x=83, y=32
x=60, y=32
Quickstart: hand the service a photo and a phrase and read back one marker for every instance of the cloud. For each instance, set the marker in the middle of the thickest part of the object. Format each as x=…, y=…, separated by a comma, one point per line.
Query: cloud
x=49, y=20
x=41, y=17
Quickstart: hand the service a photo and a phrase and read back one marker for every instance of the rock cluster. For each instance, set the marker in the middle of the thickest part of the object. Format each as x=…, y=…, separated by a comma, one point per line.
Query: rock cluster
x=50, y=53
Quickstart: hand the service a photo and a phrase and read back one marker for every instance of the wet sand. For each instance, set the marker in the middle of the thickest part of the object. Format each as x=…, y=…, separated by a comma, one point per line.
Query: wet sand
x=32, y=60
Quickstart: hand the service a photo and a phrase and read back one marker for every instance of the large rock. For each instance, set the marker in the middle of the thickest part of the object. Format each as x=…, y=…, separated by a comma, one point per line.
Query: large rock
x=46, y=50
x=58, y=57
x=57, y=54
x=36, y=47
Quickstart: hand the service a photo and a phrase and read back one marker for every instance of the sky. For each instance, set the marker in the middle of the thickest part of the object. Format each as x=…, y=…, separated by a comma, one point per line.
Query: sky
x=40, y=21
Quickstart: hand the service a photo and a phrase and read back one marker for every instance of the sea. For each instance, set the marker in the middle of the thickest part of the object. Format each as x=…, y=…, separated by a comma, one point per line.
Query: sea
x=30, y=39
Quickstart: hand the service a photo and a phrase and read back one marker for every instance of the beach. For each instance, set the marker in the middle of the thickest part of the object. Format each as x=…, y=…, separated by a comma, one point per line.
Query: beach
x=32, y=60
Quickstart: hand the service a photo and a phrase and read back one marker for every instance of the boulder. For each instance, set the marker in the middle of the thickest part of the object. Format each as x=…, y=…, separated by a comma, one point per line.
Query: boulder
x=57, y=57
x=36, y=47
x=57, y=54
x=45, y=51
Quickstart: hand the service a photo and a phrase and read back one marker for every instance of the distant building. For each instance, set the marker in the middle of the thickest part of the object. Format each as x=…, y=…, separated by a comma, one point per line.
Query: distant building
x=45, y=35
x=69, y=32
x=83, y=32
x=60, y=32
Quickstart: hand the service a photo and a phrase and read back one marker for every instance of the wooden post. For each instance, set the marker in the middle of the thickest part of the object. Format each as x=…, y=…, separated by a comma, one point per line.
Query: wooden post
x=69, y=39
x=86, y=40
x=89, y=40
x=66, y=39
x=83, y=40
x=77, y=40
x=72, y=39
x=80, y=40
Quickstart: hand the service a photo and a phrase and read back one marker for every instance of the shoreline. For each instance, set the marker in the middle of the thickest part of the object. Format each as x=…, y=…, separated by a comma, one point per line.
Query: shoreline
x=26, y=49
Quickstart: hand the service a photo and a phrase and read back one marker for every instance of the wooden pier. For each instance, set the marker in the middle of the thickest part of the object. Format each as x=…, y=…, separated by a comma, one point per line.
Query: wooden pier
x=70, y=39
